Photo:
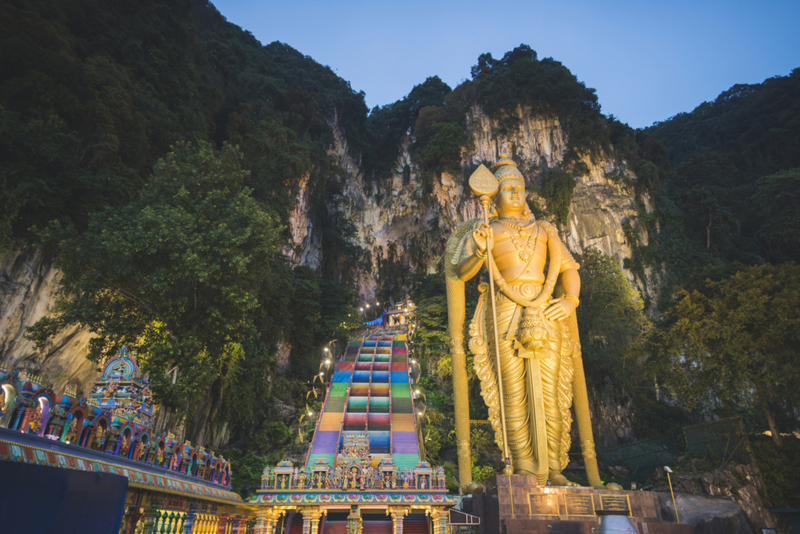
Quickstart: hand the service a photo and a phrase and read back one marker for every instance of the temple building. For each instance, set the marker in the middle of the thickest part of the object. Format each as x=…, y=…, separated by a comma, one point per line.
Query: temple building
x=365, y=470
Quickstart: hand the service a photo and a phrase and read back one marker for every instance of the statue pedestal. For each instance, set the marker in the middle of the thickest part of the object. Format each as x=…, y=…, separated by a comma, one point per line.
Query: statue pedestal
x=517, y=504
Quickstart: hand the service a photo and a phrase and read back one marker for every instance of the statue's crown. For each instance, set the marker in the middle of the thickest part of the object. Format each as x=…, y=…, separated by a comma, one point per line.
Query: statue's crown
x=505, y=168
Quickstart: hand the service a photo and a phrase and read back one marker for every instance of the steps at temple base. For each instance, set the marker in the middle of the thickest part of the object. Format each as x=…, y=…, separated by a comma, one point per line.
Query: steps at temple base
x=335, y=527
x=376, y=527
x=417, y=525
x=296, y=527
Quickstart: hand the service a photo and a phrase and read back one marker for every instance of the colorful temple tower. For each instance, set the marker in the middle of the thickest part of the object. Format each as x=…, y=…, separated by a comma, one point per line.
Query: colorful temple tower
x=365, y=471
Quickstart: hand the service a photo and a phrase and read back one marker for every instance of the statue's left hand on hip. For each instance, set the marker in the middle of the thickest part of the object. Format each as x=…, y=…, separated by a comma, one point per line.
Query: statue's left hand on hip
x=559, y=309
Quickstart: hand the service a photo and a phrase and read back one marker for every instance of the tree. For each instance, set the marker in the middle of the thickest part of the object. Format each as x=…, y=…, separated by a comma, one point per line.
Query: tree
x=611, y=319
x=778, y=196
x=176, y=273
x=735, y=342
x=706, y=193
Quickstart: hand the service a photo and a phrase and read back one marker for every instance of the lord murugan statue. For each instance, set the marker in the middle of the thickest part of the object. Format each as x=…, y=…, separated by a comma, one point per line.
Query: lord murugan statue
x=524, y=335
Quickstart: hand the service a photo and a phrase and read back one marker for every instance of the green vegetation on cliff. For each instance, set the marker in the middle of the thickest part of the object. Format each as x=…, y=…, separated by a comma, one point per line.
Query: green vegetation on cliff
x=723, y=246
x=160, y=151
x=173, y=244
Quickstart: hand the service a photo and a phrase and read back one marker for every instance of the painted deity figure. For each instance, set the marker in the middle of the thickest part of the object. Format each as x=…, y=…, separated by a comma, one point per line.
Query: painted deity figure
x=35, y=422
x=72, y=432
x=99, y=438
x=138, y=452
x=338, y=478
x=537, y=333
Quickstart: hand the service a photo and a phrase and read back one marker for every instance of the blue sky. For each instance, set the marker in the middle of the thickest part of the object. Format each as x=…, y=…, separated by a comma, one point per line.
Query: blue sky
x=647, y=60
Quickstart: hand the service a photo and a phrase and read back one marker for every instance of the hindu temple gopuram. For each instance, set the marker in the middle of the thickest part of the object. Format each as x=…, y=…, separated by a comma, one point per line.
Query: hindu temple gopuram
x=169, y=485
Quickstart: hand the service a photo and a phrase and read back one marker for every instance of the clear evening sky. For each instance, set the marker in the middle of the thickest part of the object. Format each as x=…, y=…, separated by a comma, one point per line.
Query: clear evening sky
x=648, y=60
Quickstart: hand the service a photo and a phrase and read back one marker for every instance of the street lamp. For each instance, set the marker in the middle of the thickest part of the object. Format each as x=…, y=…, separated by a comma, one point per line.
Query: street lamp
x=669, y=480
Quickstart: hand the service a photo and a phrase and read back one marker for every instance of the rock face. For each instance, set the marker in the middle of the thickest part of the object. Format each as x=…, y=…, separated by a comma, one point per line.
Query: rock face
x=735, y=483
x=28, y=285
x=707, y=515
x=392, y=213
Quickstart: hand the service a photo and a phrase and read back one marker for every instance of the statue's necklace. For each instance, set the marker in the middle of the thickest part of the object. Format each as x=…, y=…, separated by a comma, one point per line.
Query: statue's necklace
x=522, y=241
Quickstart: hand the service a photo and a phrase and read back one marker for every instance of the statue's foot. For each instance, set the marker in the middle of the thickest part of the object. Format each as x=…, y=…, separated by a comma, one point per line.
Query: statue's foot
x=557, y=479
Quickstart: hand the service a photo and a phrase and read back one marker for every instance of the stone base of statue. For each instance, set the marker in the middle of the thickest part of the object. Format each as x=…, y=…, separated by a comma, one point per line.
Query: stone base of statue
x=517, y=504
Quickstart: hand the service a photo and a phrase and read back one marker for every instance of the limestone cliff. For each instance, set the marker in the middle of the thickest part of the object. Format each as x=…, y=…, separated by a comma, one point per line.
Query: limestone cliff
x=28, y=285
x=392, y=211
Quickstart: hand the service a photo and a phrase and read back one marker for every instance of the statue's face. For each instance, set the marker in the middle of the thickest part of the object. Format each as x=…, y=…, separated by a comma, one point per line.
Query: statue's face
x=511, y=198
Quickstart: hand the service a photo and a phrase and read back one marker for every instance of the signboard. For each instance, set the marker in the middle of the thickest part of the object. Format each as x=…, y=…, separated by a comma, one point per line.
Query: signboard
x=619, y=503
x=543, y=504
x=579, y=504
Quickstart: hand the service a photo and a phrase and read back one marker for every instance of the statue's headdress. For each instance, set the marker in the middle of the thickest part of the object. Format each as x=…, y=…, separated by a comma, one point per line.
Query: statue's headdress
x=506, y=168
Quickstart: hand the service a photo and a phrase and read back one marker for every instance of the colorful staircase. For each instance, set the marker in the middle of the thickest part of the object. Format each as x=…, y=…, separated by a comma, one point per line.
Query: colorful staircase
x=371, y=392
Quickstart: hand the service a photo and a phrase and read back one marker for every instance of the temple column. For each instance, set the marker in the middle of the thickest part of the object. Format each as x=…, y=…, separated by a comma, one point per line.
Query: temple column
x=266, y=521
x=311, y=520
x=354, y=521
x=262, y=522
x=439, y=521
x=397, y=519
x=222, y=525
x=188, y=521
x=275, y=520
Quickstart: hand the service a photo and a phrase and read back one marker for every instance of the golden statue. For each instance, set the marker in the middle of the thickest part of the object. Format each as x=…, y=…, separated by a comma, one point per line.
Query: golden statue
x=525, y=342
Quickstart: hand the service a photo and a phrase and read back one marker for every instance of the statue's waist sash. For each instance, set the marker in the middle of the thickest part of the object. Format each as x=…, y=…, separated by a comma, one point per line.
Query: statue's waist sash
x=526, y=290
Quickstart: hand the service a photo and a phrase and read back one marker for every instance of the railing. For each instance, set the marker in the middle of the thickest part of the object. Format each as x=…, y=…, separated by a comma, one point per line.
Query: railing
x=160, y=521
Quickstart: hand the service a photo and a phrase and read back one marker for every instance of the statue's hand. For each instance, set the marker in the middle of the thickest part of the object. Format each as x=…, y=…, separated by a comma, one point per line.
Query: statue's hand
x=559, y=309
x=483, y=238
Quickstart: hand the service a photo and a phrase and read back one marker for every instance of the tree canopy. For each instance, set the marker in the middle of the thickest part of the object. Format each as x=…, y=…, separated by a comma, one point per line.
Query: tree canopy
x=735, y=342
x=176, y=273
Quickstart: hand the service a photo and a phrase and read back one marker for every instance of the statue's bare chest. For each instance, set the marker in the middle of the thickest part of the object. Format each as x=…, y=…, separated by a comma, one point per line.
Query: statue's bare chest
x=519, y=244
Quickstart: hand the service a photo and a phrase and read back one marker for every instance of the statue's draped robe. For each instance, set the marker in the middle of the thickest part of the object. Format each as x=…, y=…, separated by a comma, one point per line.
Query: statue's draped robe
x=555, y=362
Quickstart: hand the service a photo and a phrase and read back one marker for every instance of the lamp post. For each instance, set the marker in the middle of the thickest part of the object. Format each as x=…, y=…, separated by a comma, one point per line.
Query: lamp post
x=414, y=368
x=669, y=480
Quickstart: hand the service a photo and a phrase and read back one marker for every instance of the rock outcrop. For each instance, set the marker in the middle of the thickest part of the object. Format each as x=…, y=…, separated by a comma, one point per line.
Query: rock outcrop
x=392, y=212
x=395, y=211
x=707, y=515
x=735, y=483
x=28, y=285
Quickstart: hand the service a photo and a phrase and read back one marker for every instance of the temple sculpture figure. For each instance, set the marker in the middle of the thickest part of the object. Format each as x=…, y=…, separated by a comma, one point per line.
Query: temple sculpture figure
x=525, y=342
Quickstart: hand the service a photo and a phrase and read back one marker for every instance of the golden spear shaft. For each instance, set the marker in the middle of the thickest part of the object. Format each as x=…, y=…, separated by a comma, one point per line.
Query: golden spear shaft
x=508, y=469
